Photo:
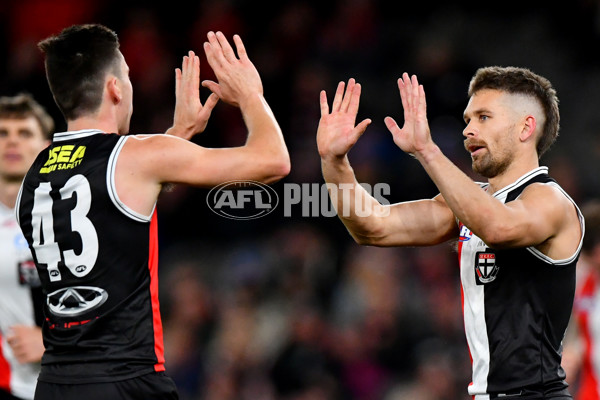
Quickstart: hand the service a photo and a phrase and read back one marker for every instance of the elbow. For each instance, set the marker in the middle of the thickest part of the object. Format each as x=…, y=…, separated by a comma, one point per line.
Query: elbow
x=369, y=241
x=276, y=169
x=360, y=239
x=283, y=167
x=364, y=240
x=368, y=237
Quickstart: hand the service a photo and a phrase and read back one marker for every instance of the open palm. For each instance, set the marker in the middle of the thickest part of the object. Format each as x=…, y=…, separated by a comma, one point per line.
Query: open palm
x=337, y=132
x=189, y=110
x=414, y=136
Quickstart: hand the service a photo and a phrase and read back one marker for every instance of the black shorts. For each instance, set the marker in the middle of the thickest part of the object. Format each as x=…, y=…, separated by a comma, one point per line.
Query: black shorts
x=533, y=394
x=153, y=386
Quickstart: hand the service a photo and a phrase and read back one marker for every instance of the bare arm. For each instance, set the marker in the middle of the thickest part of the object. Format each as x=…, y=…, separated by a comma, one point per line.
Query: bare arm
x=422, y=222
x=240, y=85
x=145, y=163
x=541, y=217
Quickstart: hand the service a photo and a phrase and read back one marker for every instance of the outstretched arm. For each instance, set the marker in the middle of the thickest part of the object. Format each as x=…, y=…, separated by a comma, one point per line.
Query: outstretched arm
x=369, y=222
x=264, y=156
x=147, y=162
x=542, y=216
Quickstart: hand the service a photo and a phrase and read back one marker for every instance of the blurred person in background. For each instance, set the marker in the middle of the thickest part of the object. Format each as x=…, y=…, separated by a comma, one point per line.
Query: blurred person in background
x=519, y=234
x=87, y=206
x=582, y=343
x=25, y=129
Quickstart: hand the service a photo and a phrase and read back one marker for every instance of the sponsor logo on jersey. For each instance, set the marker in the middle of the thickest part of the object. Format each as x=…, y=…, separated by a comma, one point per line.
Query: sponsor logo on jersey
x=242, y=200
x=63, y=157
x=465, y=234
x=76, y=300
x=486, y=268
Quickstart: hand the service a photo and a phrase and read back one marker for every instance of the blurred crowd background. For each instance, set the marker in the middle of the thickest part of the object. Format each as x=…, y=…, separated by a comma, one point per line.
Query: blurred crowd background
x=290, y=308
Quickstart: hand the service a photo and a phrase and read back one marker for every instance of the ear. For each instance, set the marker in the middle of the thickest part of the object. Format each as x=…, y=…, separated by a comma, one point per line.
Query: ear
x=113, y=90
x=528, y=131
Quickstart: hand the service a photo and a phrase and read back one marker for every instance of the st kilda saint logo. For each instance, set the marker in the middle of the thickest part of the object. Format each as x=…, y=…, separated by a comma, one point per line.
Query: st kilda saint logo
x=486, y=268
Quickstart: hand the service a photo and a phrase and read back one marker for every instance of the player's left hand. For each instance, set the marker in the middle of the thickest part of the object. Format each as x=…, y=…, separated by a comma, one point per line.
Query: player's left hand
x=26, y=343
x=338, y=132
x=414, y=137
x=237, y=77
x=191, y=116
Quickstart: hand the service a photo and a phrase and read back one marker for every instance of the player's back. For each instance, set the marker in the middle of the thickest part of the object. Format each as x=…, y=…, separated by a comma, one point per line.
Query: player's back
x=97, y=261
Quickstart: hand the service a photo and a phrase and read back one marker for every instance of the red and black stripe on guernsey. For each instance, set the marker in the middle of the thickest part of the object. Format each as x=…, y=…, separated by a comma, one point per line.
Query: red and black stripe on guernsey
x=103, y=321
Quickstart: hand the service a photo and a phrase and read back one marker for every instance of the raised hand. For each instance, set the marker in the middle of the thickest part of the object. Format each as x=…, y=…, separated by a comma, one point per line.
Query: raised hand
x=237, y=77
x=190, y=116
x=414, y=137
x=337, y=132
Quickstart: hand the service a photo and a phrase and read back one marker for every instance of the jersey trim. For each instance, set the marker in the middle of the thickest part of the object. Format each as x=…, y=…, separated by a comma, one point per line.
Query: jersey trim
x=521, y=180
x=474, y=321
x=156, y=319
x=569, y=260
x=112, y=188
x=71, y=135
x=528, y=176
x=18, y=203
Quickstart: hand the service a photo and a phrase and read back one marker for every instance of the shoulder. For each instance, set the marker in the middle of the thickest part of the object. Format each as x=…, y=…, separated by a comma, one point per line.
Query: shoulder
x=155, y=154
x=552, y=201
x=547, y=193
x=143, y=146
x=148, y=139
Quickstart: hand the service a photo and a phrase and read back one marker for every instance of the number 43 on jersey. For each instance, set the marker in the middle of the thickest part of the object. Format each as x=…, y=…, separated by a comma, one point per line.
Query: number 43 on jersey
x=42, y=222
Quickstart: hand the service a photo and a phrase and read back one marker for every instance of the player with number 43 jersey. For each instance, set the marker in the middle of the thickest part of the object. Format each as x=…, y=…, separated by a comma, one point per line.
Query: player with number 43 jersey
x=93, y=281
x=87, y=206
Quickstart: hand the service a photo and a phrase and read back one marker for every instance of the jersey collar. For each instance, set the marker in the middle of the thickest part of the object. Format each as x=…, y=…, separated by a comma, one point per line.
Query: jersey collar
x=70, y=135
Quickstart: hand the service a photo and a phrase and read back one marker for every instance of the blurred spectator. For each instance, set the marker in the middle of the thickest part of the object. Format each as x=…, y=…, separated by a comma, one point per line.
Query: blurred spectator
x=583, y=337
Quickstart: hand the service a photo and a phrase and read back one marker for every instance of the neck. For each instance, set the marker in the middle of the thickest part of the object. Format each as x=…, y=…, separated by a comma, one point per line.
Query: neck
x=92, y=123
x=512, y=173
x=8, y=192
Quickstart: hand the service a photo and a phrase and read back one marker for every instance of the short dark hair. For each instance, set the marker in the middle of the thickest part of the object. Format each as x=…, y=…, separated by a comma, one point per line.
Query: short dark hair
x=77, y=61
x=22, y=106
x=523, y=81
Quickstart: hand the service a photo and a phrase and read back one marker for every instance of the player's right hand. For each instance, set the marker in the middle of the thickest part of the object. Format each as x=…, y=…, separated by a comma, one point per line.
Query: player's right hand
x=191, y=116
x=337, y=133
x=237, y=77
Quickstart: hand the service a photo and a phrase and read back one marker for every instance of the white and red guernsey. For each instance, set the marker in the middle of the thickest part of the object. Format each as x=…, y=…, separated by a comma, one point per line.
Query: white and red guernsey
x=586, y=311
x=97, y=261
x=516, y=305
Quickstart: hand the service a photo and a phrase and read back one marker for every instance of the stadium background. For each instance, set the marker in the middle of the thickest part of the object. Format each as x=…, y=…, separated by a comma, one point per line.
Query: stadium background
x=290, y=307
